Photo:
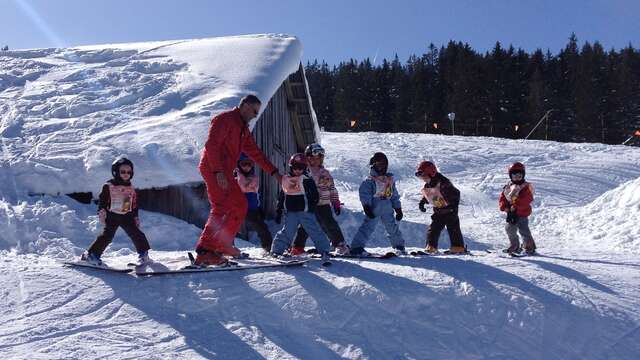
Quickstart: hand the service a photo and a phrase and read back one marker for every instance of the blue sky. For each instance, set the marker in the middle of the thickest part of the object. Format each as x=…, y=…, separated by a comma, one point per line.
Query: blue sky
x=330, y=30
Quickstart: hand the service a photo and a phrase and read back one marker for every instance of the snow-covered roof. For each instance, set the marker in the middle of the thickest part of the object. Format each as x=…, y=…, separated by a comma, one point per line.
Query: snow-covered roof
x=66, y=114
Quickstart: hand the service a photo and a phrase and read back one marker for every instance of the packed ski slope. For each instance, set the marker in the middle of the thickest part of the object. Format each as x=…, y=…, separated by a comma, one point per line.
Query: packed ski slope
x=578, y=301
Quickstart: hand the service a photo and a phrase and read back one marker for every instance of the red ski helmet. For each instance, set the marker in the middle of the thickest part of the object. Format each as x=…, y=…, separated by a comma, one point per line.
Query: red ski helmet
x=517, y=167
x=298, y=160
x=426, y=168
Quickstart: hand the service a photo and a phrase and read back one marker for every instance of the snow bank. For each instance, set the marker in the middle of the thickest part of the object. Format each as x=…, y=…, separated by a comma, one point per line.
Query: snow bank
x=610, y=221
x=65, y=114
x=62, y=228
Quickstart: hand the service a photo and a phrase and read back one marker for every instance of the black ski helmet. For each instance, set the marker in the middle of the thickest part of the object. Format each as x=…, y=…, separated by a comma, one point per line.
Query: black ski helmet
x=115, y=167
x=380, y=157
x=313, y=150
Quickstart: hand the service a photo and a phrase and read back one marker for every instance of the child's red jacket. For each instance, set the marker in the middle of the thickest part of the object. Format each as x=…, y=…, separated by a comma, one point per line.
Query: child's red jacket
x=519, y=195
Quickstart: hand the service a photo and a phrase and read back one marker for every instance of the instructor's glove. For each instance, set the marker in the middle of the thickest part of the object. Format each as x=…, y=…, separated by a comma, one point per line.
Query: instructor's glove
x=398, y=214
x=279, y=216
x=512, y=218
x=422, y=204
x=368, y=211
x=336, y=208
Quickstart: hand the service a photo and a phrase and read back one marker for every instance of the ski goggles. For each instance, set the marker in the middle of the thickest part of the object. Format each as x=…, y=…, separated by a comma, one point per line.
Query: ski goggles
x=317, y=152
x=517, y=173
x=419, y=173
x=299, y=167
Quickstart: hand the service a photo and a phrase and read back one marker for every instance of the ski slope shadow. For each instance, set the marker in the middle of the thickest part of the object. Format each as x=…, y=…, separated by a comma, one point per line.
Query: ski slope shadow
x=592, y=261
x=536, y=323
x=220, y=315
x=387, y=316
x=570, y=274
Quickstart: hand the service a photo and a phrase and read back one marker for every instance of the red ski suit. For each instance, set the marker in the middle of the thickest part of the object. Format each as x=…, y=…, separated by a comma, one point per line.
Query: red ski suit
x=229, y=136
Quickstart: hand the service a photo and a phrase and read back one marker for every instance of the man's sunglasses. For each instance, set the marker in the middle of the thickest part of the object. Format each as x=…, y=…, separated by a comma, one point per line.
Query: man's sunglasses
x=125, y=172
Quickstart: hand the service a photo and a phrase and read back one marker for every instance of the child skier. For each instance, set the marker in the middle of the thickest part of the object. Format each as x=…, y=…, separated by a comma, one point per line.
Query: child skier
x=515, y=200
x=445, y=198
x=328, y=199
x=249, y=184
x=380, y=199
x=117, y=207
x=298, y=199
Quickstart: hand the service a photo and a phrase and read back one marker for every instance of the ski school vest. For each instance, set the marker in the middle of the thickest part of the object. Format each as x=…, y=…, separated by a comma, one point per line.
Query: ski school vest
x=384, y=186
x=434, y=196
x=248, y=184
x=292, y=185
x=122, y=198
x=324, y=183
x=511, y=191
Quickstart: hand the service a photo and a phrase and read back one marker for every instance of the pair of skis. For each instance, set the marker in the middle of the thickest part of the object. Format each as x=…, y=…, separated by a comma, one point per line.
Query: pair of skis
x=158, y=268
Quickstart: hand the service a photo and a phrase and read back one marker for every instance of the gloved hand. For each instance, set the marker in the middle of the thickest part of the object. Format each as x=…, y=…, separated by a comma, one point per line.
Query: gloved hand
x=421, y=205
x=368, y=211
x=398, y=214
x=102, y=216
x=279, y=216
x=336, y=208
x=512, y=218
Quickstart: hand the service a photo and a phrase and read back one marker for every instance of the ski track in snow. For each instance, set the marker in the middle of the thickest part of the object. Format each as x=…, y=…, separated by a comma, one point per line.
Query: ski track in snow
x=64, y=113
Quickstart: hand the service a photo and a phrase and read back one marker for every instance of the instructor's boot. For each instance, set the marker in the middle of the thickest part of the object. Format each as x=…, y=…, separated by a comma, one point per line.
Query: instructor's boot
x=210, y=258
x=229, y=250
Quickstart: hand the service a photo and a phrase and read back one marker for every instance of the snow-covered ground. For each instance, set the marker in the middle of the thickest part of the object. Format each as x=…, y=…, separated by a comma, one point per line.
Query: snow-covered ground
x=580, y=300
x=65, y=113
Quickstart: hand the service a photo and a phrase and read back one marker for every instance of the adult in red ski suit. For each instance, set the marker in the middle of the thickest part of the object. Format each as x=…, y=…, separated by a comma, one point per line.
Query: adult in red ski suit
x=229, y=136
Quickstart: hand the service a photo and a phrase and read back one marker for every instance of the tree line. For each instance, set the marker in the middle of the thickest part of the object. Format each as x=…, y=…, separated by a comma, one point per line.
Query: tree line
x=587, y=93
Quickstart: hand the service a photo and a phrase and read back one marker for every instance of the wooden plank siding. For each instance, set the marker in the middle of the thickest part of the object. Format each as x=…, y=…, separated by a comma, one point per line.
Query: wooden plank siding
x=284, y=127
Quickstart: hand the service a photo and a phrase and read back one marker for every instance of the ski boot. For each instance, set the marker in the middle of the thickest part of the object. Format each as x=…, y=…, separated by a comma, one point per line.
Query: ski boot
x=358, y=251
x=342, y=249
x=143, y=259
x=297, y=251
x=430, y=249
x=209, y=258
x=400, y=250
x=91, y=258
